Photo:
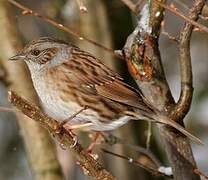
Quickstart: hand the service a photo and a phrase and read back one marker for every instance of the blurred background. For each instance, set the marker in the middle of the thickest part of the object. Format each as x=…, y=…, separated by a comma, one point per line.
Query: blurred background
x=108, y=22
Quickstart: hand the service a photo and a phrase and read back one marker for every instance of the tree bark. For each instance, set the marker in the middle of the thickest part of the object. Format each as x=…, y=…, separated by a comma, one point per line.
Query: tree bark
x=142, y=52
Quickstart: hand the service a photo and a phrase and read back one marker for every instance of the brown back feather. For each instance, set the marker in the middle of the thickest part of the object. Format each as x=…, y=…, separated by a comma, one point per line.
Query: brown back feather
x=99, y=83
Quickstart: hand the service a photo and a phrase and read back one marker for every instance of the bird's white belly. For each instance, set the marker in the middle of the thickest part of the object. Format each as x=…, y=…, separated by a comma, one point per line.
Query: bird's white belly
x=62, y=110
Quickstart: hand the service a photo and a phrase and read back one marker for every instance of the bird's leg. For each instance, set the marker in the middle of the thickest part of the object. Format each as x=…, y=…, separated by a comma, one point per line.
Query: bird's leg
x=77, y=126
x=64, y=126
x=94, y=141
x=69, y=129
x=65, y=121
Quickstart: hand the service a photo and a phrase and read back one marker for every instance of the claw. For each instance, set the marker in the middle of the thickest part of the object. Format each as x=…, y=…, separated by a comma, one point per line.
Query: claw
x=75, y=142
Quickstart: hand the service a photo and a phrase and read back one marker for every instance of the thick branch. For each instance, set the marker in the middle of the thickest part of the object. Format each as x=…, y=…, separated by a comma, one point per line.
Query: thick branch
x=184, y=103
x=89, y=165
x=144, y=62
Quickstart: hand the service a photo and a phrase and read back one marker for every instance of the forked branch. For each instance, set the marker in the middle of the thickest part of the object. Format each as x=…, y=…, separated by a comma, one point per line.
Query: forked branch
x=184, y=103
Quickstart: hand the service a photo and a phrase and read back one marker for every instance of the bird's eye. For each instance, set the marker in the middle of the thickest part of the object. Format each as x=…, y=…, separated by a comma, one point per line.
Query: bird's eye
x=35, y=52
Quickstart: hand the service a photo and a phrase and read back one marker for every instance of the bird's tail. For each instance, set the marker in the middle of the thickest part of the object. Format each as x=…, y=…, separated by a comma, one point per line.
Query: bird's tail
x=165, y=120
x=155, y=116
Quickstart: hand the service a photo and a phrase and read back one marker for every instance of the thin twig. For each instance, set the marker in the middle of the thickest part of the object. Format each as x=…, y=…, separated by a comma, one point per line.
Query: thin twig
x=90, y=166
x=137, y=163
x=26, y=11
x=187, y=8
x=187, y=19
x=113, y=140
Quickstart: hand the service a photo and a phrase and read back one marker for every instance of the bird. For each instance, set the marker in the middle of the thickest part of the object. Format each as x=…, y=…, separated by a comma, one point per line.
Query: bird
x=68, y=79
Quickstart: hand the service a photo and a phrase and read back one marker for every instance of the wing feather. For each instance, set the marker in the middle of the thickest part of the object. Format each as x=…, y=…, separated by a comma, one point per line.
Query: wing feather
x=89, y=72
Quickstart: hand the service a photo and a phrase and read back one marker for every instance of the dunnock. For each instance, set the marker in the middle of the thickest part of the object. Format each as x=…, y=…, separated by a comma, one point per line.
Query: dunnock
x=67, y=79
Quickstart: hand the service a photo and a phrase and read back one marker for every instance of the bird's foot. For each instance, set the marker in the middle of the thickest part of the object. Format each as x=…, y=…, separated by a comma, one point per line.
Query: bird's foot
x=94, y=141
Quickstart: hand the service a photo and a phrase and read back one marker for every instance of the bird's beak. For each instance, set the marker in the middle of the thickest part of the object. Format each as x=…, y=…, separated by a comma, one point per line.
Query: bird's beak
x=19, y=56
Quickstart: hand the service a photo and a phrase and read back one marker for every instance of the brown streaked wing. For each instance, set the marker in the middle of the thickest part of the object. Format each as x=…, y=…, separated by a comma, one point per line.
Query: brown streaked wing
x=88, y=71
x=121, y=92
